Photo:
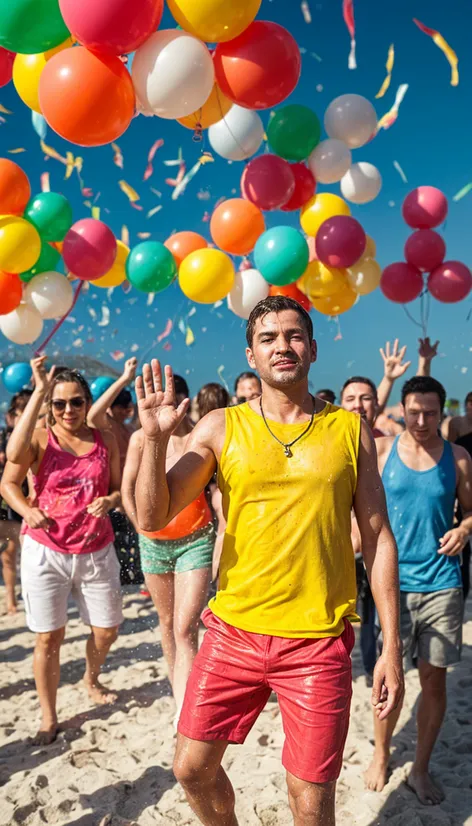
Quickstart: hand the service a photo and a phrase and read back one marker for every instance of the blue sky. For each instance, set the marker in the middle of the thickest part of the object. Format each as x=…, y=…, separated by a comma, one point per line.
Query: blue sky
x=430, y=140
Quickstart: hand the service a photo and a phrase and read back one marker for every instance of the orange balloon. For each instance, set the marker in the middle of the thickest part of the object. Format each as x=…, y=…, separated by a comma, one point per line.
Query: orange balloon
x=292, y=291
x=86, y=97
x=337, y=303
x=215, y=108
x=11, y=291
x=182, y=244
x=15, y=190
x=236, y=225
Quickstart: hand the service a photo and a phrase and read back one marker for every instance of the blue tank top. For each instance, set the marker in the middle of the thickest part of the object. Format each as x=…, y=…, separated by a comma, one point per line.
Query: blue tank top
x=421, y=510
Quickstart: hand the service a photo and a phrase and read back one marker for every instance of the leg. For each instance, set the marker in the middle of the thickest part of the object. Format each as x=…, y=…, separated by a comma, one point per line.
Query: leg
x=161, y=588
x=46, y=670
x=10, y=534
x=98, y=646
x=312, y=804
x=191, y=590
x=376, y=775
x=431, y=711
x=197, y=767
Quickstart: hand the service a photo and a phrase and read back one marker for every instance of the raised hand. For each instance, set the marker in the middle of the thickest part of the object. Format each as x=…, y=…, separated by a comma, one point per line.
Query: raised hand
x=157, y=408
x=130, y=368
x=394, y=366
x=427, y=350
x=41, y=377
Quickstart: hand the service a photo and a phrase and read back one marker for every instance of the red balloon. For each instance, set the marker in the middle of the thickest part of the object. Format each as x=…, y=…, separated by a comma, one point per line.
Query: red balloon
x=305, y=186
x=425, y=250
x=401, y=282
x=89, y=249
x=340, y=241
x=260, y=68
x=112, y=26
x=6, y=66
x=292, y=291
x=450, y=282
x=268, y=182
x=425, y=207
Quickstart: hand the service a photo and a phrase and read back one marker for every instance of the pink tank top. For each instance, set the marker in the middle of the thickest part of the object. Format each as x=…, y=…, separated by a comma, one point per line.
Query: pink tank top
x=64, y=487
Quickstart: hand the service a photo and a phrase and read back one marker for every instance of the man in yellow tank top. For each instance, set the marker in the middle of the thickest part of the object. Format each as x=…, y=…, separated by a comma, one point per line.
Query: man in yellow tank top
x=291, y=467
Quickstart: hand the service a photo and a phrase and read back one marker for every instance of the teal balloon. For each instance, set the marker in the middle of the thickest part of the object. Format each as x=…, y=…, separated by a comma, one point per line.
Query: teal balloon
x=293, y=132
x=31, y=26
x=281, y=255
x=48, y=258
x=151, y=267
x=100, y=385
x=51, y=214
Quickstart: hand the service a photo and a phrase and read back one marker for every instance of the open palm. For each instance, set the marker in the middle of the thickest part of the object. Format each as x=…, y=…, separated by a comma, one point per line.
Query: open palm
x=157, y=407
x=394, y=366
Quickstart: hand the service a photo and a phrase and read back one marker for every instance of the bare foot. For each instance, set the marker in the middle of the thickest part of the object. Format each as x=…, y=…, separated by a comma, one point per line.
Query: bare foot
x=45, y=736
x=99, y=694
x=12, y=608
x=376, y=775
x=427, y=792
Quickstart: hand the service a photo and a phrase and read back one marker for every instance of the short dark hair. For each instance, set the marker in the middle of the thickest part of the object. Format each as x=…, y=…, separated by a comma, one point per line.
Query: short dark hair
x=19, y=401
x=424, y=384
x=327, y=395
x=212, y=396
x=246, y=375
x=359, y=380
x=123, y=399
x=181, y=386
x=67, y=376
x=468, y=398
x=277, y=304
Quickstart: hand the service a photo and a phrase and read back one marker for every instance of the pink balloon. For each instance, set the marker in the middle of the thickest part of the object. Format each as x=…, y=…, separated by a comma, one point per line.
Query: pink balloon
x=425, y=207
x=305, y=186
x=268, y=181
x=89, y=249
x=112, y=26
x=340, y=241
x=425, y=249
x=6, y=66
x=312, y=248
x=401, y=282
x=450, y=282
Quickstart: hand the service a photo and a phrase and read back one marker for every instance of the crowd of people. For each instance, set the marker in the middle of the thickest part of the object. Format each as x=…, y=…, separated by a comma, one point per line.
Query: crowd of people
x=297, y=515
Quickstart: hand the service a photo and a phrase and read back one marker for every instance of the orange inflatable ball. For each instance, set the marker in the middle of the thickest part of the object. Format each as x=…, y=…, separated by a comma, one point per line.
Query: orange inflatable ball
x=337, y=303
x=15, y=190
x=11, y=290
x=215, y=108
x=292, y=291
x=86, y=97
x=236, y=225
x=182, y=244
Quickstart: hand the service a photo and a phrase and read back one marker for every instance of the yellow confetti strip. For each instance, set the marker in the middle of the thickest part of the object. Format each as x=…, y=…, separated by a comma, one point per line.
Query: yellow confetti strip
x=390, y=117
x=96, y=213
x=189, y=337
x=125, y=235
x=442, y=44
x=16, y=151
x=389, y=68
x=5, y=111
x=130, y=193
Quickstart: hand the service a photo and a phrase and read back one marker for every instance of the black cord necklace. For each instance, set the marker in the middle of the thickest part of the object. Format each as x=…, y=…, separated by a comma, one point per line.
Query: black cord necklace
x=287, y=446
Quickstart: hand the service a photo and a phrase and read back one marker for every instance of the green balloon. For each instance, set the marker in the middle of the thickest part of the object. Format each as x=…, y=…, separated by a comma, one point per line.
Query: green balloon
x=293, y=132
x=31, y=26
x=47, y=261
x=150, y=267
x=51, y=214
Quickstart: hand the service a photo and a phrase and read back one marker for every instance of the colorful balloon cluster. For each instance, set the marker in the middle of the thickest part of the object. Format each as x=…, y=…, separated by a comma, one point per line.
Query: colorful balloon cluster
x=448, y=281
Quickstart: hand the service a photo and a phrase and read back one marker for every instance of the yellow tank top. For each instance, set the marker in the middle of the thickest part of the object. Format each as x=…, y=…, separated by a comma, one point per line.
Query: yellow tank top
x=287, y=567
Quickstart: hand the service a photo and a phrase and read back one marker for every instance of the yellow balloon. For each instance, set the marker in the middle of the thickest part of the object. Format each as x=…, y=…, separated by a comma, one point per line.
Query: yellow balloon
x=319, y=208
x=215, y=108
x=370, y=248
x=319, y=280
x=27, y=70
x=20, y=244
x=337, y=303
x=364, y=276
x=214, y=20
x=117, y=274
x=206, y=276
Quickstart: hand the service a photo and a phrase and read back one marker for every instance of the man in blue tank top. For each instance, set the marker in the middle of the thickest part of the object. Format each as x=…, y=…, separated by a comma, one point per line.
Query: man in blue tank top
x=423, y=475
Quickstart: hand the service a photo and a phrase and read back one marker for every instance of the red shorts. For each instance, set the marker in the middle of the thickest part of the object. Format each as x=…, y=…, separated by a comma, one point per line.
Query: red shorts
x=234, y=674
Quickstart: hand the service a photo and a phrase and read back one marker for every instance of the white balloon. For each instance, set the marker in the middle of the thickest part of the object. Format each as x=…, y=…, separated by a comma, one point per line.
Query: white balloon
x=173, y=74
x=238, y=135
x=352, y=119
x=361, y=183
x=23, y=326
x=50, y=293
x=329, y=161
x=249, y=288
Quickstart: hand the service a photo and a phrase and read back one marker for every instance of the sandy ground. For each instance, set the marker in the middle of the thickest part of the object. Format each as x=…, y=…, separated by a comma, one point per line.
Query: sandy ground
x=111, y=766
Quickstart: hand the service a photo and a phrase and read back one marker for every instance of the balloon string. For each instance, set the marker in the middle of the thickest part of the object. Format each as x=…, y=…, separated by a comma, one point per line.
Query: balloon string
x=59, y=324
x=223, y=117
x=418, y=324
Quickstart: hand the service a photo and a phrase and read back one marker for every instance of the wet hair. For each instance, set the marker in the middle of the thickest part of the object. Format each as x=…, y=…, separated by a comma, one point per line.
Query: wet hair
x=359, y=380
x=246, y=375
x=68, y=376
x=327, y=395
x=277, y=304
x=181, y=386
x=468, y=398
x=424, y=384
x=212, y=396
x=123, y=399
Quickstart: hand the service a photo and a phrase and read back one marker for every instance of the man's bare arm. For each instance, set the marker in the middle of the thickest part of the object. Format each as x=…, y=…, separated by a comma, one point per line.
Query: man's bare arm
x=97, y=415
x=130, y=475
x=453, y=541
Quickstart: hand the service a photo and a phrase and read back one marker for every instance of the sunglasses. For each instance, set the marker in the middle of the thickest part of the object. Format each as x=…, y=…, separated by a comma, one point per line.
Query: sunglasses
x=60, y=405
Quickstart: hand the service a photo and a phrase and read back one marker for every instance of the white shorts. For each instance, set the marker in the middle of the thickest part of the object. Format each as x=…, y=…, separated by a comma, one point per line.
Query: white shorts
x=48, y=578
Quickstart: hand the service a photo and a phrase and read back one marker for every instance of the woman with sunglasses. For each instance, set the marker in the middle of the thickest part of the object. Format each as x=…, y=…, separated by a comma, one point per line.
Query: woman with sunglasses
x=68, y=539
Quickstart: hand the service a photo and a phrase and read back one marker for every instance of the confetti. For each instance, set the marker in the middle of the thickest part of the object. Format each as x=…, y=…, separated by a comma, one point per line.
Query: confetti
x=389, y=68
x=390, y=117
x=134, y=348
x=189, y=337
x=144, y=235
x=192, y=312
x=182, y=326
x=130, y=193
x=45, y=185
x=39, y=125
x=5, y=111
x=150, y=299
x=117, y=355
x=150, y=169
x=221, y=377
x=156, y=192
x=96, y=213
x=92, y=313
x=400, y=172
x=177, y=161
x=449, y=53
x=462, y=193
x=305, y=8
x=167, y=346
x=118, y=159
x=167, y=330
x=154, y=211
x=16, y=151
x=125, y=235
x=77, y=342
x=348, y=14
x=105, y=319
x=203, y=195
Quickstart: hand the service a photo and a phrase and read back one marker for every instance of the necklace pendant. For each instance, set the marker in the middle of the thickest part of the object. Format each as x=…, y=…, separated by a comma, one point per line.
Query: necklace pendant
x=287, y=451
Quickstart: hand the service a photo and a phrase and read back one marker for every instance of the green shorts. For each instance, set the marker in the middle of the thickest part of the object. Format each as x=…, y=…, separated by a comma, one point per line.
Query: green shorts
x=175, y=556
